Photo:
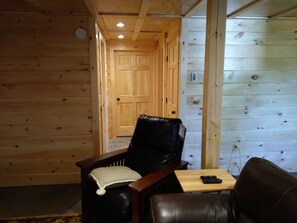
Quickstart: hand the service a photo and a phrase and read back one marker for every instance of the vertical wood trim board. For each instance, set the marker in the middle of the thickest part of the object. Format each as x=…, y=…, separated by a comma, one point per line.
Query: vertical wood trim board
x=183, y=69
x=213, y=83
x=95, y=87
x=104, y=91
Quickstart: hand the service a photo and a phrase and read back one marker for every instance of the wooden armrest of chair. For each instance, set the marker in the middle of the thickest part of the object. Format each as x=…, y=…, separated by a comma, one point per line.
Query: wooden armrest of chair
x=107, y=159
x=159, y=181
x=154, y=177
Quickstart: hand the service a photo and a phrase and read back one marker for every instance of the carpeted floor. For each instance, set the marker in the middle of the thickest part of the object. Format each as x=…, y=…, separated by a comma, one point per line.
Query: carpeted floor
x=48, y=199
x=40, y=200
x=65, y=218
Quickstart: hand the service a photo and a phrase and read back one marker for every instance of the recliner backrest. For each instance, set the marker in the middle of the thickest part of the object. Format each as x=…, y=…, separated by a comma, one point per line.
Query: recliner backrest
x=156, y=142
x=266, y=193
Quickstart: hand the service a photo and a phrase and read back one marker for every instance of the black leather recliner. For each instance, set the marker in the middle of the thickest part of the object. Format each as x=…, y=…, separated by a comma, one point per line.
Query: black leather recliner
x=263, y=193
x=154, y=152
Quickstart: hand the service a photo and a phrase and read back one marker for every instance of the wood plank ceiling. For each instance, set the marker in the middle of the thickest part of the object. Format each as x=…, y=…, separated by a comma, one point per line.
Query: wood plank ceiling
x=146, y=19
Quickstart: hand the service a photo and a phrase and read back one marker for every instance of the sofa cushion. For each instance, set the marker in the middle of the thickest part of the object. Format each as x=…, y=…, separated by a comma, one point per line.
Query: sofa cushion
x=243, y=218
x=286, y=208
x=194, y=208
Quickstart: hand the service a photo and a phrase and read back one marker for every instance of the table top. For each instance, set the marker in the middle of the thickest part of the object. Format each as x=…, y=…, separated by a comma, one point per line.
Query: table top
x=190, y=180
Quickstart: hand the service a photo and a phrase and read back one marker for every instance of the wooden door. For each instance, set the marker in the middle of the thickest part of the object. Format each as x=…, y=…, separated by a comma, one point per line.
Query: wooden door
x=133, y=88
x=172, y=79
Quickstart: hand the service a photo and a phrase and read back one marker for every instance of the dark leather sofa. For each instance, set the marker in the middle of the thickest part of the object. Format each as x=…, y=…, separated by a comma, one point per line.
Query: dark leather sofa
x=263, y=193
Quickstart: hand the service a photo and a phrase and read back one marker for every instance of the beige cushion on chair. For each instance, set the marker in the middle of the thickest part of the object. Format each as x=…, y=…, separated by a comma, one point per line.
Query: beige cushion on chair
x=114, y=176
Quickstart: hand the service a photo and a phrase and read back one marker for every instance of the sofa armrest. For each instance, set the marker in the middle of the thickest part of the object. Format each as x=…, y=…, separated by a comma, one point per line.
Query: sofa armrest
x=162, y=180
x=194, y=208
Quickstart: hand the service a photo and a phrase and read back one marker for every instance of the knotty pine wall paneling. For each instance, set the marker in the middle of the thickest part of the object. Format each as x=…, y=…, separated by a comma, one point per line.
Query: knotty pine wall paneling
x=45, y=99
x=259, y=111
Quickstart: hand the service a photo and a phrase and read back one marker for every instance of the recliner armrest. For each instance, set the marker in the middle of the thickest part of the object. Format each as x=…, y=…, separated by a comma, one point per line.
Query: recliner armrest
x=194, y=208
x=156, y=176
x=103, y=160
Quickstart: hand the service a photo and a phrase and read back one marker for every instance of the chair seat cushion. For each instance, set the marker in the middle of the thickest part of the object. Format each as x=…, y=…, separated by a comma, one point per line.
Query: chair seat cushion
x=116, y=203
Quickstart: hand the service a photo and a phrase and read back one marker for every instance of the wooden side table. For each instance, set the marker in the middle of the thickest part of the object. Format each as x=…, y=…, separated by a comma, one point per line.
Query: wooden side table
x=190, y=180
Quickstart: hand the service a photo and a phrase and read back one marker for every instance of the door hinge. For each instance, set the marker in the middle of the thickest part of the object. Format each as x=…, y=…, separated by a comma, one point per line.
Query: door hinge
x=166, y=99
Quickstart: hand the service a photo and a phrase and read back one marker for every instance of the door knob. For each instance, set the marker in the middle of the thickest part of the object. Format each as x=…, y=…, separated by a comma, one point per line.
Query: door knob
x=118, y=99
x=173, y=112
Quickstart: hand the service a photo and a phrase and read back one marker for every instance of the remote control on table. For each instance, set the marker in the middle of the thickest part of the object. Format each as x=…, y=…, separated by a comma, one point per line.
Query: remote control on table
x=210, y=180
x=208, y=177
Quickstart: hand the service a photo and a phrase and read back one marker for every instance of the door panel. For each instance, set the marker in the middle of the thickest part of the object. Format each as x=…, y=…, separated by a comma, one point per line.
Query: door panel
x=126, y=121
x=125, y=83
x=133, y=87
x=142, y=82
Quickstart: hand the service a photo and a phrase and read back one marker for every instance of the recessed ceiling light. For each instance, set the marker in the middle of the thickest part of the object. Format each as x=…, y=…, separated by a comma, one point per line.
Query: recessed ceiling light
x=120, y=24
x=121, y=36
